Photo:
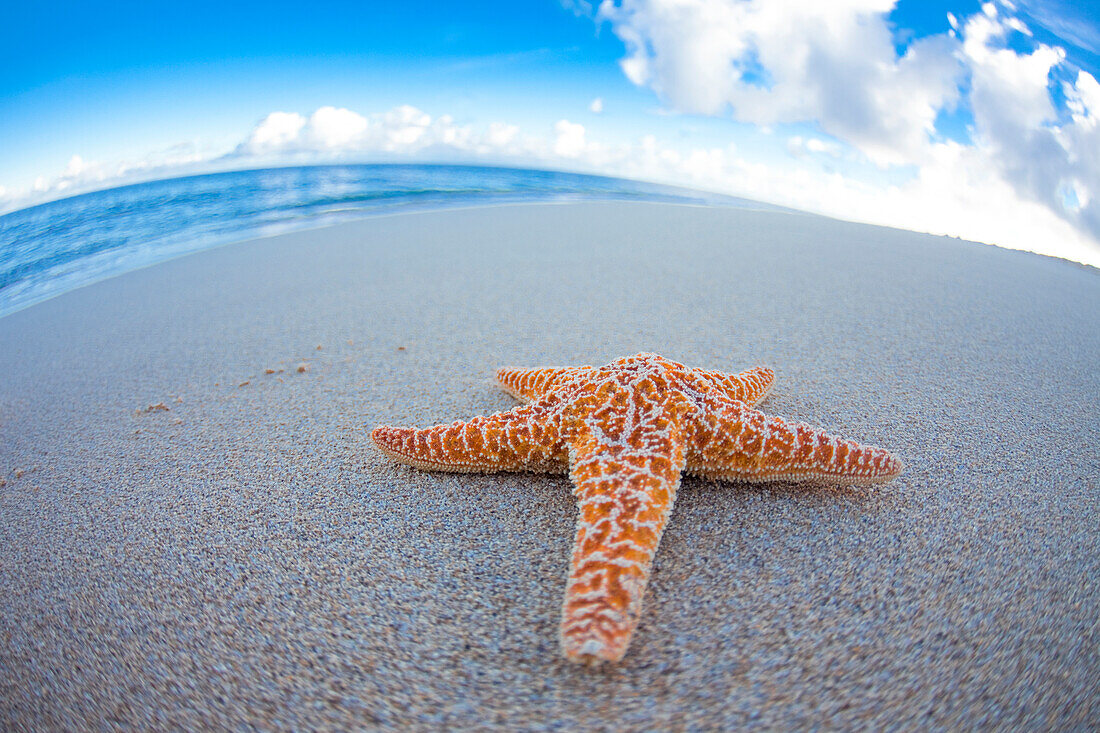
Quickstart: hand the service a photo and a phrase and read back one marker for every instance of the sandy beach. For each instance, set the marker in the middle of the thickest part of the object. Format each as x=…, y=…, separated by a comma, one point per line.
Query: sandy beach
x=196, y=532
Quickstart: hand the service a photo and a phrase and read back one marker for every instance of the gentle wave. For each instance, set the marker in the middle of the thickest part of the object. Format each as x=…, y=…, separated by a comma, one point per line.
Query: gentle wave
x=49, y=249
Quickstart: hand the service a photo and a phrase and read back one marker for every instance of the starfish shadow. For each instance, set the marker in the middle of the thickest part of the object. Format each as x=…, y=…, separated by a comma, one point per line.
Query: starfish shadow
x=820, y=492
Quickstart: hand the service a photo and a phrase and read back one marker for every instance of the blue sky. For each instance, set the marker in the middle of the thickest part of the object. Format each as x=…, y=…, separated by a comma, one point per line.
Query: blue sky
x=951, y=117
x=90, y=77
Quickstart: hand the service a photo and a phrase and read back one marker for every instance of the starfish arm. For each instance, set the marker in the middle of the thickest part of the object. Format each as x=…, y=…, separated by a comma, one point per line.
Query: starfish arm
x=530, y=385
x=625, y=491
x=750, y=387
x=524, y=439
x=733, y=441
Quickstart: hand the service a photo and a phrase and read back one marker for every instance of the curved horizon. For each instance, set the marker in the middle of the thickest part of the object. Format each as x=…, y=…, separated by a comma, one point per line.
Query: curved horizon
x=63, y=244
x=975, y=120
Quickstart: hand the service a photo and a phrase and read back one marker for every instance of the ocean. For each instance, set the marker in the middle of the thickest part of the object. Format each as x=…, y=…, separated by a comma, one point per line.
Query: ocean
x=52, y=248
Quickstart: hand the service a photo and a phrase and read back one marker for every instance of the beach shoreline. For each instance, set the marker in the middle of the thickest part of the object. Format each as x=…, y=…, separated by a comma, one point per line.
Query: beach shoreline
x=60, y=245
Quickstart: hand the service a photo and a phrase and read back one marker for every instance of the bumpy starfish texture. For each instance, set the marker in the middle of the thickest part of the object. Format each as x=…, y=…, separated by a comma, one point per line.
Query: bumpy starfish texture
x=626, y=432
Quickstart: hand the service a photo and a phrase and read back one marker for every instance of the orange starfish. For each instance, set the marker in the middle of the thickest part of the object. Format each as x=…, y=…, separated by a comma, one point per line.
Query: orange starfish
x=626, y=432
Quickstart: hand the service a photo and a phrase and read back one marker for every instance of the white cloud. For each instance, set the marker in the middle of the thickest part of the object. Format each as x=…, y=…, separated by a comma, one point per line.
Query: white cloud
x=1083, y=100
x=81, y=175
x=569, y=141
x=336, y=128
x=274, y=132
x=501, y=134
x=337, y=132
x=75, y=167
x=596, y=106
x=1018, y=129
x=766, y=63
x=329, y=128
x=401, y=128
x=798, y=146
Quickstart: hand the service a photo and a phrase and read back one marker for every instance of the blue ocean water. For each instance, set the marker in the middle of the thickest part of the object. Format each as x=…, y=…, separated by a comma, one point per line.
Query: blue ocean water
x=49, y=249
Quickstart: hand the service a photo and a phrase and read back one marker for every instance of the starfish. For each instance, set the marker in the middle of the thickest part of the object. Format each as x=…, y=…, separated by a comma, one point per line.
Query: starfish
x=626, y=432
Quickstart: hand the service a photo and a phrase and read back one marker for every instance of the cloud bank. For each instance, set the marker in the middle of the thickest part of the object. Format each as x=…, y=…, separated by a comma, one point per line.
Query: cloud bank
x=767, y=63
x=836, y=65
x=956, y=193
